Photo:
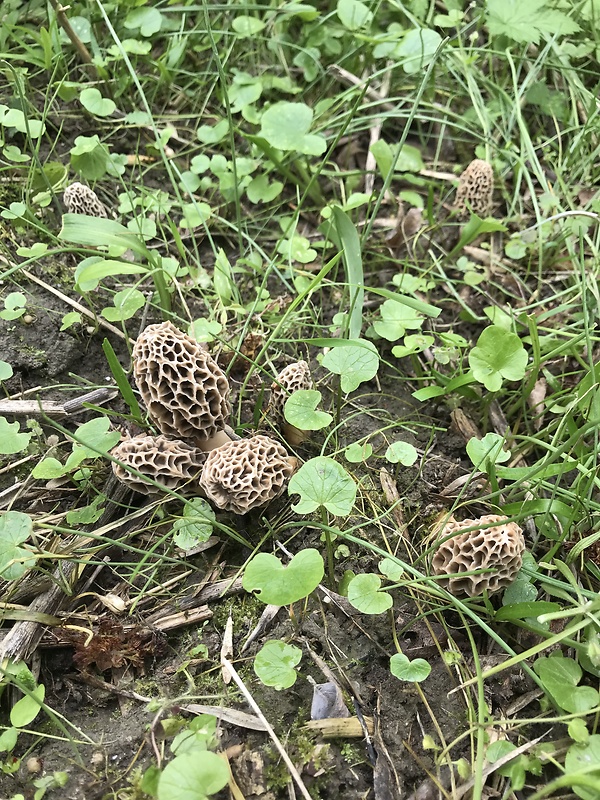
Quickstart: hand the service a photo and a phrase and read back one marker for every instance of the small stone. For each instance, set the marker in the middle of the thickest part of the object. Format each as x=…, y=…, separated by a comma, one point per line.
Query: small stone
x=34, y=765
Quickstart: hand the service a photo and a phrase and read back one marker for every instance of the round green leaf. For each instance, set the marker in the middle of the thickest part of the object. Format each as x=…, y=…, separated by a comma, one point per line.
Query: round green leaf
x=581, y=756
x=353, y=14
x=193, y=777
x=300, y=411
x=91, y=99
x=96, y=437
x=278, y=585
x=286, y=125
x=396, y=318
x=498, y=354
x=274, y=664
x=499, y=749
x=259, y=190
x=212, y=134
x=246, y=26
x=357, y=452
x=196, y=524
x=355, y=363
x=364, y=592
x=323, y=482
x=486, y=451
x=14, y=306
x=90, y=157
x=391, y=569
x=27, y=708
x=8, y=739
x=413, y=343
x=578, y=730
x=15, y=528
x=148, y=20
x=49, y=468
x=11, y=441
x=401, y=452
x=417, y=49
x=560, y=676
x=406, y=670
x=126, y=303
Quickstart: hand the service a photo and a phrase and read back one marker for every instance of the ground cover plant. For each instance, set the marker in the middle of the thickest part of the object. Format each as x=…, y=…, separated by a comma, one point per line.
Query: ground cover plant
x=298, y=433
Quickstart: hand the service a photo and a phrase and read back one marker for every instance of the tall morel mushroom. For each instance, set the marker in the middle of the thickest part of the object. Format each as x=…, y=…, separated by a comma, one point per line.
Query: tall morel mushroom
x=246, y=474
x=80, y=199
x=475, y=189
x=171, y=463
x=291, y=379
x=492, y=544
x=185, y=391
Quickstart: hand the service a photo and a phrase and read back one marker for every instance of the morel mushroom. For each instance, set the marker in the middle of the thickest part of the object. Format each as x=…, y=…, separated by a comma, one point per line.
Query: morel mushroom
x=246, y=474
x=475, y=189
x=171, y=463
x=184, y=389
x=294, y=377
x=497, y=548
x=80, y=199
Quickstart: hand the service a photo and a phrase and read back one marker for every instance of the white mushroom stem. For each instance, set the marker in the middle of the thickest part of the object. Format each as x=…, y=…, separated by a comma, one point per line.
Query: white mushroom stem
x=218, y=440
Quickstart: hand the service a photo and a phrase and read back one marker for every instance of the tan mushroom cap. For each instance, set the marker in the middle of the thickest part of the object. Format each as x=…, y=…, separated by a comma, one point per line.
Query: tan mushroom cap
x=291, y=379
x=185, y=391
x=80, y=199
x=246, y=474
x=172, y=463
x=475, y=189
x=498, y=548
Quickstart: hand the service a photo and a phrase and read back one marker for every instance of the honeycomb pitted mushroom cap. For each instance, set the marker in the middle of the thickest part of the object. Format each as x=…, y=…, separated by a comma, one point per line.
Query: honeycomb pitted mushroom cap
x=185, y=391
x=291, y=379
x=80, y=199
x=246, y=474
x=491, y=544
x=171, y=463
x=475, y=189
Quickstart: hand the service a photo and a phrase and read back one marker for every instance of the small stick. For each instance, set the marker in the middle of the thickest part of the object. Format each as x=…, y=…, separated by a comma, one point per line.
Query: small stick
x=74, y=304
x=256, y=708
x=64, y=23
x=49, y=408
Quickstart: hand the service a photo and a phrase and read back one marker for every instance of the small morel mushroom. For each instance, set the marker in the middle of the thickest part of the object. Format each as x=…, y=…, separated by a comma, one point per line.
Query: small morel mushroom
x=475, y=189
x=185, y=391
x=497, y=548
x=291, y=379
x=246, y=474
x=80, y=199
x=171, y=463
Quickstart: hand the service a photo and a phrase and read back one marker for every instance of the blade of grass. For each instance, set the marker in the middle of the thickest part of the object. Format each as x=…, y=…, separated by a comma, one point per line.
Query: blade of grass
x=351, y=253
x=122, y=382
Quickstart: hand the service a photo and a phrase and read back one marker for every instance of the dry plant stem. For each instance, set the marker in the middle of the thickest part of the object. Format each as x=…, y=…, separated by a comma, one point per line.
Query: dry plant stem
x=74, y=304
x=256, y=708
x=48, y=408
x=352, y=80
x=64, y=23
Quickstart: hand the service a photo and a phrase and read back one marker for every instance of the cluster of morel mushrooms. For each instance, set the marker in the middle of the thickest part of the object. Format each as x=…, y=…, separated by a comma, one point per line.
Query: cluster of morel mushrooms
x=187, y=398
